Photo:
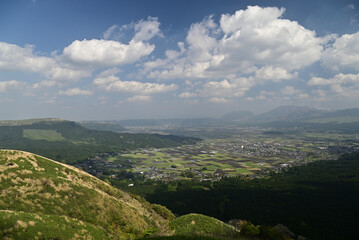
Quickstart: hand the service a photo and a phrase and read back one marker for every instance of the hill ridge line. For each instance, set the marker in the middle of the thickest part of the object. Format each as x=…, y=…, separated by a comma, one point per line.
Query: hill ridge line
x=125, y=196
x=62, y=164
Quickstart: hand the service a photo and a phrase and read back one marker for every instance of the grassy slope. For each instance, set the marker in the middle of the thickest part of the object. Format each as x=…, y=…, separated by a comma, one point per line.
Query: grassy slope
x=198, y=224
x=35, y=185
x=22, y=225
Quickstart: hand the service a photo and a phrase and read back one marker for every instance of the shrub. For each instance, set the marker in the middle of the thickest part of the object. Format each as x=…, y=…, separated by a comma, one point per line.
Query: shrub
x=163, y=211
x=248, y=229
x=270, y=233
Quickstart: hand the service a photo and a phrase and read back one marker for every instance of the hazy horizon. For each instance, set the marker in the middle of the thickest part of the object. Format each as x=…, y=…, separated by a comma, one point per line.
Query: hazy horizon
x=168, y=118
x=115, y=60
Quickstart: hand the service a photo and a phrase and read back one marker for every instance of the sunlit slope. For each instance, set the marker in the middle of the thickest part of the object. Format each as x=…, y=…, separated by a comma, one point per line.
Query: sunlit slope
x=22, y=225
x=37, y=185
x=201, y=225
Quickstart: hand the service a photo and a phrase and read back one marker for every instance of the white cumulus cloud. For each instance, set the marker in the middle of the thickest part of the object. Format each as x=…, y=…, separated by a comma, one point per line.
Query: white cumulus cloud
x=187, y=95
x=143, y=30
x=218, y=100
x=338, y=86
x=16, y=58
x=274, y=74
x=139, y=98
x=100, y=52
x=75, y=92
x=343, y=53
x=12, y=84
x=256, y=41
x=112, y=33
x=338, y=79
x=147, y=29
x=113, y=83
x=226, y=88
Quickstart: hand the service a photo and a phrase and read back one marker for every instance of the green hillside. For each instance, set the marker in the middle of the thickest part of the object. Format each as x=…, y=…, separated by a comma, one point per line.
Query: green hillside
x=70, y=142
x=40, y=197
x=22, y=225
x=201, y=225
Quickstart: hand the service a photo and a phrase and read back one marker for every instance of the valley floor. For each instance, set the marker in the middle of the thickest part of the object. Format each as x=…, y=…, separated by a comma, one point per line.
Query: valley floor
x=252, y=153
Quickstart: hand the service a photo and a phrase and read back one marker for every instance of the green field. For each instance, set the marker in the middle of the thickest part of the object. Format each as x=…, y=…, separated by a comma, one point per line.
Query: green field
x=169, y=160
x=40, y=134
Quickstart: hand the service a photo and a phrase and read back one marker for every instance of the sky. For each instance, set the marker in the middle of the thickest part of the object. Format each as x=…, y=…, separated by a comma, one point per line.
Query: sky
x=113, y=60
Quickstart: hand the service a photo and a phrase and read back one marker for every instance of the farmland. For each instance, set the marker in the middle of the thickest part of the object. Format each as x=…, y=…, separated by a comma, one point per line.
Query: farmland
x=253, y=152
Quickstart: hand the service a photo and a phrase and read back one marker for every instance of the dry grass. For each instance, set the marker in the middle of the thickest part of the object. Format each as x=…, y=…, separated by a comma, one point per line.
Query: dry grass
x=37, y=189
x=21, y=224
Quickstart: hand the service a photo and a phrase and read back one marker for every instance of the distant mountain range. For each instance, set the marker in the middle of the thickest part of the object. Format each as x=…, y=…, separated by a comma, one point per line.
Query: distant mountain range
x=289, y=114
x=297, y=113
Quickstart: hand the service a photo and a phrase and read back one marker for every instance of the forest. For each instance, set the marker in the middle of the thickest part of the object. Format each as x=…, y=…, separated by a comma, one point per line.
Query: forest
x=318, y=200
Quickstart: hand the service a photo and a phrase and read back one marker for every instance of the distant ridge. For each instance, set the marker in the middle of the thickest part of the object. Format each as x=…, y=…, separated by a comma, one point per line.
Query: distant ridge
x=344, y=112
x=289, y=113
x=29, y=121
x=238, y=115
x=103, y=125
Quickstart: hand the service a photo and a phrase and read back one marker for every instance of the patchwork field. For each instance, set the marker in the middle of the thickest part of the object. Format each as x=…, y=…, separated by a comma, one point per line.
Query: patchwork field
x=247, y=154
x=177, y=160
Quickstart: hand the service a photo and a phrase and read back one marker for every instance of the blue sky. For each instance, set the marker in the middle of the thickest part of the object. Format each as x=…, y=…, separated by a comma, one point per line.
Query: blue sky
x=98, y=60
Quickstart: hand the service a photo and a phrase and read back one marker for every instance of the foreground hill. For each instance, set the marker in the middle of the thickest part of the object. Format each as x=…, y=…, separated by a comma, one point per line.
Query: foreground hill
x=46, y=199
x=65, y=140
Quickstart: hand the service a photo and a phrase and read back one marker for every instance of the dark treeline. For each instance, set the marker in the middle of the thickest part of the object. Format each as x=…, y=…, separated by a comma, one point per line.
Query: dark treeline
x=318, y=200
